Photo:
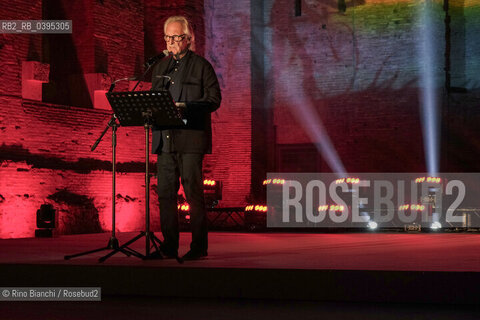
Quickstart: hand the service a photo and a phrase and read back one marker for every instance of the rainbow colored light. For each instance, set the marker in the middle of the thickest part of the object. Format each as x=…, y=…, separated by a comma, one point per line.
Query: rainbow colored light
x=428, y=179
x=332, y=207
x=273, y=181
x=412, y=207
x=348, y=180
x=256, y=207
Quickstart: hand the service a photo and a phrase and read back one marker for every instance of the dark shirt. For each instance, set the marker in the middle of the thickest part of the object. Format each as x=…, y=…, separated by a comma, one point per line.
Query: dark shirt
x=176, y=71
x=194, y=82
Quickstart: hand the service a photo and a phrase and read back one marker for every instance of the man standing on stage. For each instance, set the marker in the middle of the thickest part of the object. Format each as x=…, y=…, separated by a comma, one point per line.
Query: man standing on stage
x=194, y=87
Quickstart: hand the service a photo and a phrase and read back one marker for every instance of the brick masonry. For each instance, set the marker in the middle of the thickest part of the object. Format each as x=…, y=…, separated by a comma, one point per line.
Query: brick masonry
x=45, y=145
x=355, y=70
x=359, y=71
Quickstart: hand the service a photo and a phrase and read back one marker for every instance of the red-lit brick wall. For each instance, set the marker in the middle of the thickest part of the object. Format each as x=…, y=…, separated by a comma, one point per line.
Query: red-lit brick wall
x=15, y=48
x=356, y=70
x=45, y=145
x=118, y=37
x=227, y=42
x=45, y=155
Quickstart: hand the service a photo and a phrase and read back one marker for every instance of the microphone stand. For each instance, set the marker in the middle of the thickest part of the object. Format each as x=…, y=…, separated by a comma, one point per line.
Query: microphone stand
x=142, y=77
x=113, y=243
x=151, y=241
x=149, y=64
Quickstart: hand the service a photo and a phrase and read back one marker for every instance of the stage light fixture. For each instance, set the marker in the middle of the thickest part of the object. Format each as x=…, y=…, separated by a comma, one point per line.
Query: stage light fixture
x=183, y=207
x=436, y=225
x=212, y=192
x=428, y=179
x=273, y=181
x=348, y=180
x=45, y=221
x=412, y=207
x=372, y=225
x=208, y=182
x=332, y=207
x=183, y=210
x=257, y=208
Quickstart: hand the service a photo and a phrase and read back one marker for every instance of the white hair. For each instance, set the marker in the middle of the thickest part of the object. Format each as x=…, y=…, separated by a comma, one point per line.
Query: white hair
x=187, y=29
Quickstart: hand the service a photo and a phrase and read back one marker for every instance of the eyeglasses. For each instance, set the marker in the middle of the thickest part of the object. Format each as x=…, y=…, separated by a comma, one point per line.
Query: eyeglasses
x=175, y=38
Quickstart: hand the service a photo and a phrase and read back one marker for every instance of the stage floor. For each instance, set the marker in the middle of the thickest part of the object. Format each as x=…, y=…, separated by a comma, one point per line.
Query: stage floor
x=349, y=267
x=358, y=251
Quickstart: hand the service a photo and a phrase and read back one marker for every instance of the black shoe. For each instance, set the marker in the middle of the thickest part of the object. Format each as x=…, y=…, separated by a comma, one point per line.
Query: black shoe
x=168, y=253
x=194, y=255
x=155, y=255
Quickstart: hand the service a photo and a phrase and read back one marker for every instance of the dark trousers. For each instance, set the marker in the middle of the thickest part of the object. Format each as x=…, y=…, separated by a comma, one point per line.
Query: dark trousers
x=188, y=167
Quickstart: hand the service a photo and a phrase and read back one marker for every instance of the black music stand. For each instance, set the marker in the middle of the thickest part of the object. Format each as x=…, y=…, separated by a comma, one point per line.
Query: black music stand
x=113, y=243
x=145, y=108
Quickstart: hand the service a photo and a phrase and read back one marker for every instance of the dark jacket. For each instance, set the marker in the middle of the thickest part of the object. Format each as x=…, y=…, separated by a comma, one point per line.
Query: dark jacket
x=201, y=93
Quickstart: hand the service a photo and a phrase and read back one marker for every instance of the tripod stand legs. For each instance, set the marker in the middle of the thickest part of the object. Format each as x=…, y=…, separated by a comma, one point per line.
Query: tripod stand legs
x=124, y=249
x=151, y=241
x=112, y=245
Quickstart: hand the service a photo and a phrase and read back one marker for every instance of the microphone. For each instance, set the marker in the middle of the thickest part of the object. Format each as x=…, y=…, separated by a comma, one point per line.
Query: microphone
x=112, y=86
x=168, y=78
x=154, y=60
x=150, y=64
